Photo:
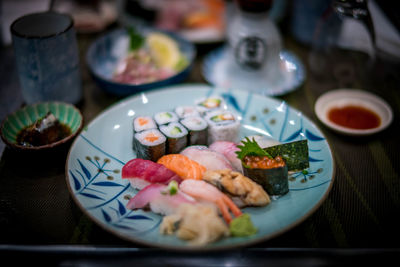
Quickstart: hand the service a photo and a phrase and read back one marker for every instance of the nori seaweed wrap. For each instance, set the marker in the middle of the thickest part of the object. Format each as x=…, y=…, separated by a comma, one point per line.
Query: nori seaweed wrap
x=294, y=153
x=176, y=137
x=149, y=144
x=198, y=130
x=274, y=180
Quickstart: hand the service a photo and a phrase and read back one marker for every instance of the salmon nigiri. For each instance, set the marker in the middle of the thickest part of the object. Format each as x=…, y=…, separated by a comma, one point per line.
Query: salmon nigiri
x=183, y=166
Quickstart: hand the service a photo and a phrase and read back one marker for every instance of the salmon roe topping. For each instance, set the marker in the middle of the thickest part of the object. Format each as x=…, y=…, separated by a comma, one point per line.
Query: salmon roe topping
x=263, y=162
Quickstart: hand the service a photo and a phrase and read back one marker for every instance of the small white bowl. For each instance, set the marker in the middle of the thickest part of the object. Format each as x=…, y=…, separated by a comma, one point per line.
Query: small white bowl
x=345, y=97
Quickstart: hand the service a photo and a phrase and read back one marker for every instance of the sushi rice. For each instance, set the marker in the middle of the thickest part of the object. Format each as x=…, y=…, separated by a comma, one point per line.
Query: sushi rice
x=209, y=104
x=143, y=123
x=186, y=111
x=223, y=126
x=165, y=117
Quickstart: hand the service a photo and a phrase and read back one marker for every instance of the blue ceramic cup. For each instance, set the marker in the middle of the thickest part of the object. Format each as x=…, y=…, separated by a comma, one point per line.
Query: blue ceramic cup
x=47, y=57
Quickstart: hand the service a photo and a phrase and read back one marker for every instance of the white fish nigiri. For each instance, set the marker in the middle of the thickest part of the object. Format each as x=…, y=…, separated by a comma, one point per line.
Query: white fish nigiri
x=228, y=149
x=159, y=200
x=208, y=158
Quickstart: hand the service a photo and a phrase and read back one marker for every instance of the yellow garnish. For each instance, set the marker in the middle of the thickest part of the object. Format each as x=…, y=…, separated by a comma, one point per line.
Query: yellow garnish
x=164, y=50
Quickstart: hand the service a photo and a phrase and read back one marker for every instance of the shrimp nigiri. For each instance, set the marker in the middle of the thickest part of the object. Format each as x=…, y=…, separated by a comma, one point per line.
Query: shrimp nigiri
x=183, y=166
x=204, y=191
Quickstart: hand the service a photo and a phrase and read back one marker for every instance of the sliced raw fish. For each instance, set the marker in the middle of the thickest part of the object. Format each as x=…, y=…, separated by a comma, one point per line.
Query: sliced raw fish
x=208, y=158
x=183, y=166
x=141, y=173
x=228, y=149
x=157, y=198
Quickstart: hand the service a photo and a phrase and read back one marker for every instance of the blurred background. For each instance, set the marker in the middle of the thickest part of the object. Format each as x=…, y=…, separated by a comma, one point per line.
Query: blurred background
x=368, y=30
x=300, y=18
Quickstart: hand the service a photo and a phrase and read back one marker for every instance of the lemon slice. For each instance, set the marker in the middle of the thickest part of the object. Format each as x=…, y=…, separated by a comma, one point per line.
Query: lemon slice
x=164, y=50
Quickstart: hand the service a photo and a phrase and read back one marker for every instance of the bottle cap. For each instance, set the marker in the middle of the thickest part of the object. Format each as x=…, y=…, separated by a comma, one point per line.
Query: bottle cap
x=254, y=6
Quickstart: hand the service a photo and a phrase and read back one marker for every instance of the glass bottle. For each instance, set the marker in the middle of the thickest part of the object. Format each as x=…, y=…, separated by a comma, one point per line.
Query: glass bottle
x=343, y=46
x=254, y=41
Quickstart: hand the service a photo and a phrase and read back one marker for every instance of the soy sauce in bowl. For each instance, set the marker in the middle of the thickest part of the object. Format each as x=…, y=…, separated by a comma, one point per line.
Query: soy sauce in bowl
x=355, y=117
x=44, y=131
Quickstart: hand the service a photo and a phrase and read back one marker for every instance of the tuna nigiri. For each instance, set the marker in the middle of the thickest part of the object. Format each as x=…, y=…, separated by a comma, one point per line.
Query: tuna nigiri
x=141, y=173
x=228, y=149
x=183, y=166
x=156, y=197
x=210, y=159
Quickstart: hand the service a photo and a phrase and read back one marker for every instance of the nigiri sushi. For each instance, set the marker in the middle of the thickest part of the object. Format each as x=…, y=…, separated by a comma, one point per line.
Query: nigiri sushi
x=141, y=173
x=200, y=224
x=210, y=159
x=183, y=166
x=202, y=190
x=228, y=149
x=156, y=197
x=242, y=190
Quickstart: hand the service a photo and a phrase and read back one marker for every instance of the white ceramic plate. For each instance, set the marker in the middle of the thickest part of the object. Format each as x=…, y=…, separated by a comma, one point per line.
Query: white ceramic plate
x=344, y=97
x=93, y=168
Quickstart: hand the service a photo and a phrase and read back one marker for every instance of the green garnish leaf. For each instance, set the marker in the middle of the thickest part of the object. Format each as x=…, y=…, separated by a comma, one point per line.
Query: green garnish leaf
x=251, y=148
x=173, y=187
x=136, y=40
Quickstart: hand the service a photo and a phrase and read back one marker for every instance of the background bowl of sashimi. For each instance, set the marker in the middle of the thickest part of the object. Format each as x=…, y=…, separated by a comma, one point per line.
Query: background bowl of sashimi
x=104, y=54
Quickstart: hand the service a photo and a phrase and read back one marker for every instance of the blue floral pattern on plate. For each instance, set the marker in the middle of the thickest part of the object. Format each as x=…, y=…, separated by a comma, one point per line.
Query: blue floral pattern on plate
x=98, y=154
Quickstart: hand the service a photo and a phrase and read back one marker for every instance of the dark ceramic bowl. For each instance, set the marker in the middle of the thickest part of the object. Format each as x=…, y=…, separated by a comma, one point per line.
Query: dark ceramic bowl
x=105, y=53
x=66, y=113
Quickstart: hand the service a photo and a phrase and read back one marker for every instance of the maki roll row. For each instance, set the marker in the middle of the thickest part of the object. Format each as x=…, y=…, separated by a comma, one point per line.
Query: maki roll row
x=169, y=132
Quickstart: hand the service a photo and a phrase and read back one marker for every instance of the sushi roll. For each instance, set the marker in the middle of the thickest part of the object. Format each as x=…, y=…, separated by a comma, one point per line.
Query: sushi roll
x=176, y=137
x=210, y=104
x=149, y=144
x=222, y=126
x=197, y=128
x=143, y=123
x=186, y=111
x=165, y=117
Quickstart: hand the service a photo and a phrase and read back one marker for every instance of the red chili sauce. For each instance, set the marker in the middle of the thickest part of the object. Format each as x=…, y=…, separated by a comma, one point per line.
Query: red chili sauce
x=257, y=162
x=354, y=117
